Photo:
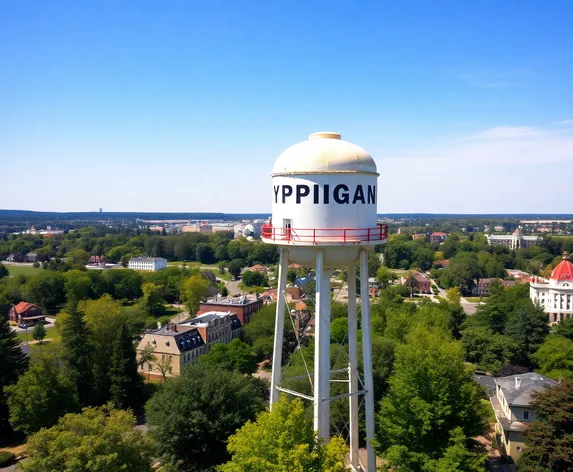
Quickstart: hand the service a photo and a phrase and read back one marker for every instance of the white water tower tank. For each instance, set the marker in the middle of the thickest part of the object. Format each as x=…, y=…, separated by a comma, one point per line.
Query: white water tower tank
x=324, y=193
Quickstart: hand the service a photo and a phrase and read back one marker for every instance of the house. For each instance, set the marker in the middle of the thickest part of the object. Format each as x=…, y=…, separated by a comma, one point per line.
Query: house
x=419, y=237
x=26, y=313
x=31, y=257
x=177, y=344
x=292, y=294
x=438, y=237
x=513, y=411
x=300, y=315
x=147, y=263
x=98, y=261
x=243, y=306
x=555, y=295
x=421, y=283
x=482, y=287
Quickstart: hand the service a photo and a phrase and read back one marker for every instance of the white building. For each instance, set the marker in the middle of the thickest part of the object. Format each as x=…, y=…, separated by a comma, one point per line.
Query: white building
x=147, y=263
x=555, y=295
x=512, y=241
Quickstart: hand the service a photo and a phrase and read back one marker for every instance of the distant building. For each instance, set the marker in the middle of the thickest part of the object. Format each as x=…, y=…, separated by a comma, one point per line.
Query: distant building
x=98, y=261
x=419, y=237
x=438, y=237
x=512, y=241
x=498, y=229
x=258, y=268
x=292, y=294
x=181, y=344
x=513, y=410
x=147, y=263
x=482, y=287
x=555, y=295
x=252, y=230
x=422, y=283
x=31, y=257
x=26, y=313
x=243, y=306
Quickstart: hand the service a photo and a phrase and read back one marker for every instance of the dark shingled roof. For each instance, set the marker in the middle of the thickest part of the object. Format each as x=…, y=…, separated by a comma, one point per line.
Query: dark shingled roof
x=528, y=384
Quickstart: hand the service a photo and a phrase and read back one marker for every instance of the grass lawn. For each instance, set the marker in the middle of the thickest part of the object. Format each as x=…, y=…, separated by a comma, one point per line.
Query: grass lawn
x=476, y=299
x=50, y=333
x=25, y=270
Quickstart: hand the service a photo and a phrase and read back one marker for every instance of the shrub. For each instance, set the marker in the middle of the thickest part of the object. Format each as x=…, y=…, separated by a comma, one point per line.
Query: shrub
x=6, y=458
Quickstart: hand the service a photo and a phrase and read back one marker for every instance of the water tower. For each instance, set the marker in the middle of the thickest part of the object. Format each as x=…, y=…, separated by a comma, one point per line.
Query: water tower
x=324, y=217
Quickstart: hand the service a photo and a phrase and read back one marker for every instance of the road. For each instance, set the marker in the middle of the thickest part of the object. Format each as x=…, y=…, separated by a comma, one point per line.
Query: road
x=233, y=287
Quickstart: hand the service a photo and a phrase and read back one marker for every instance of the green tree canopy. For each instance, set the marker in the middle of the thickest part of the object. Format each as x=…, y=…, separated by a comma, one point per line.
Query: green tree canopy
x=194, y=290
x=125, y=382
x=96, y=440
x=43, y=394
x=236, y=356
x=283, y=441
x=431, y=393
x=39, y=332
x=77, y=352
x=14, y=363
x=192, y=416
x=555, y=357
x=549, y=440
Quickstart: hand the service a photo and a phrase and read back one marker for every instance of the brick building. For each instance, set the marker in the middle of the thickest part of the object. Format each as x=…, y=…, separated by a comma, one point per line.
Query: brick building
x=26, y=313
x=243, y=306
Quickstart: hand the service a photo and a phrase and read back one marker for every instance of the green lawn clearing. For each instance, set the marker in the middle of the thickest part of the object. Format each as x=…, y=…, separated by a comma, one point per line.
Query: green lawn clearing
x=14, y=270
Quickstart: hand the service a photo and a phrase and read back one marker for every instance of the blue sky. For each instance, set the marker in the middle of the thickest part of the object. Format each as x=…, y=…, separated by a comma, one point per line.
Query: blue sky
x=466, y=106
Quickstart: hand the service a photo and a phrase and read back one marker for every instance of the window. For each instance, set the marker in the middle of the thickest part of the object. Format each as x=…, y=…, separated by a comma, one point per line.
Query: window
x=526, y=415
x=519, y=448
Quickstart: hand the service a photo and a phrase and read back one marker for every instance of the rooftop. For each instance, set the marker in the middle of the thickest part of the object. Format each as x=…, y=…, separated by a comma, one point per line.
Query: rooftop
x=518, y=389
x=147, y=259
x=564, y=270
x=243, y=300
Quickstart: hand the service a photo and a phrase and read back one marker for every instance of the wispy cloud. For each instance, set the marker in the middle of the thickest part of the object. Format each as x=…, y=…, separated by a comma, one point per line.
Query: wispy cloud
x=565, y=122
x=505, y=132
x=492, y=78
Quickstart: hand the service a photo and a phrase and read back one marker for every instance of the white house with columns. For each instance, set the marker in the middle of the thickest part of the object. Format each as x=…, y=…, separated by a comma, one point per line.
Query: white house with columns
x=555, y=295
x=513, y=241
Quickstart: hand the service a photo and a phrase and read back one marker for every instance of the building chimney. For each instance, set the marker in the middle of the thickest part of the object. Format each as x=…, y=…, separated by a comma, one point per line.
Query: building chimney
x=517, y=382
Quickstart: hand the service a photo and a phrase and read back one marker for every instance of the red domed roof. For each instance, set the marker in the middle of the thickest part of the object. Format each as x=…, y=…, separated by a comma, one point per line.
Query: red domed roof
x=563, y=271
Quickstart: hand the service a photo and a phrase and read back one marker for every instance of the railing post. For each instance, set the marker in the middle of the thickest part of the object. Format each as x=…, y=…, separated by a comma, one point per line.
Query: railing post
x=344, y=234
x=368, y=234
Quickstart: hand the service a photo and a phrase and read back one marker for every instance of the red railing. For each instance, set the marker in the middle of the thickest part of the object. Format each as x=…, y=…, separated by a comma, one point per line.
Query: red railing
x=323, y=235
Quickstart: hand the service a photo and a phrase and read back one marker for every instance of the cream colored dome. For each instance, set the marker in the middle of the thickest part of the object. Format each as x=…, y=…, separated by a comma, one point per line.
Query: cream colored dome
x=324, y=153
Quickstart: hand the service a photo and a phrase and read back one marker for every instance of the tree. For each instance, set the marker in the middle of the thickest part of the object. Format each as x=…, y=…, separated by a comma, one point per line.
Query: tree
x=152, y=301
x=253, y=278
x=454, y=295
x=236, y=356
x=77, y=286
x=96, y=440
x=103, y=318
x=236, y=266
x=283, y=441
x=431, y=393
x=165, y=366
x=39, y=332
x=549, y=440
x=565, y=328
x=385, y=276
x=77, y=258
x=77, y=352
x=555, y=357
x=125, y=382
x=224, y=292
x=3, y=271
x=45, y=288
x=14, y=363
x=194, y=290
x=43, y=394
x=147, y=357
x=192, y=416
x=527, y=327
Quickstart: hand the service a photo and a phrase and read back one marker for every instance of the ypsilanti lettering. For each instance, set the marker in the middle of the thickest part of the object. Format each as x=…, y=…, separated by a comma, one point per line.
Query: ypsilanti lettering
x=341, y=194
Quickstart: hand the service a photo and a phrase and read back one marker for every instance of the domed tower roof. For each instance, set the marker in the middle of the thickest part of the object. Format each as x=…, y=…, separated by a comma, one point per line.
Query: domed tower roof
x=564, y=270
x=324, y=153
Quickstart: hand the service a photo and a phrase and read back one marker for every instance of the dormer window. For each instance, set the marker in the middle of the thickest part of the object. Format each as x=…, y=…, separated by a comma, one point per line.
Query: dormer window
x=526, y=415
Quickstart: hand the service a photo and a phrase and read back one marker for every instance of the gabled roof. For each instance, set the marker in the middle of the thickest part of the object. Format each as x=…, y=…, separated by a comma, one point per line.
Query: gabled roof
x=518, y=389
x=564, y=270
x=22, y=307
